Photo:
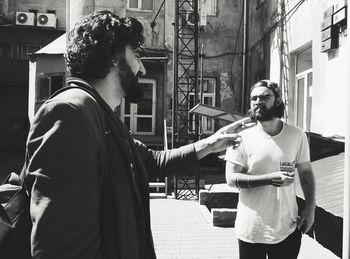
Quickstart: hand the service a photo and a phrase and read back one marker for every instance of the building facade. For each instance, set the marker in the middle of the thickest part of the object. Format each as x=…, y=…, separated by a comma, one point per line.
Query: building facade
x=25, y=27
x=276, y=49
x=302, y=46
x=220, y=42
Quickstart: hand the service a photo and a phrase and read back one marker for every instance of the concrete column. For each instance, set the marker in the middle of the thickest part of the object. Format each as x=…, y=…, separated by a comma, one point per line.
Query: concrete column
x=78, y=9
x=169, y=11
x=81, y=8
x=4, y=7
x=116, y=6
x=346, y=214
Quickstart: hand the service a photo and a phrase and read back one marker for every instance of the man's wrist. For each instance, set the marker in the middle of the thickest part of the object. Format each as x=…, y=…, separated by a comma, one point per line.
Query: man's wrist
x=310, y=205
x=202, y=148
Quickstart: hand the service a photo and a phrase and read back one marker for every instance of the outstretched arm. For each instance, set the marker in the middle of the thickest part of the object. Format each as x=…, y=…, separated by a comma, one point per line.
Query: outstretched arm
x=184, y=159
x=223, y=138
x=180, y=161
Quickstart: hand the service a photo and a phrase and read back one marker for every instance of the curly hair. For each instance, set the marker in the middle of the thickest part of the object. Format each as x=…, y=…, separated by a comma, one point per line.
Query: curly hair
x=94, y=42
x=279, y=110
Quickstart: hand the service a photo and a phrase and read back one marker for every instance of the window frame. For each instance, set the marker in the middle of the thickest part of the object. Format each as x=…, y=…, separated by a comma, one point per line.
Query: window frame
x=39, y=99
x=133, y=110
x=213, y=97
x=213, y=8
x=139, y=6
x=307, y=94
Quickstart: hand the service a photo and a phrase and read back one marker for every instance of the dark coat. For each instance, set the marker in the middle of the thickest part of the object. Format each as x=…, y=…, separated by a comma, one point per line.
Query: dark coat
x=88, y=181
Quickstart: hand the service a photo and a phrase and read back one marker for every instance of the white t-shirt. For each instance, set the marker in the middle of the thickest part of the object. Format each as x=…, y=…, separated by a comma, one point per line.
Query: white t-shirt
x=268, y=214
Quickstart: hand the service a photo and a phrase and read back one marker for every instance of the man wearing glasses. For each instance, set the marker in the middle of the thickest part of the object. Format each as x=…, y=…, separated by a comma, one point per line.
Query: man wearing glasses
x=263, y=167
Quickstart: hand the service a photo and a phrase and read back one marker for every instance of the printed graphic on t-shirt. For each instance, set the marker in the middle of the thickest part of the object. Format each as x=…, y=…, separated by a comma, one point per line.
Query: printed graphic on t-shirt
x=287, y=167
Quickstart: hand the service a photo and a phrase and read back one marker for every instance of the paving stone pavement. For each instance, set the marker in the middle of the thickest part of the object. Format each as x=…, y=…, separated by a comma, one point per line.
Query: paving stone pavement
x=183, y=230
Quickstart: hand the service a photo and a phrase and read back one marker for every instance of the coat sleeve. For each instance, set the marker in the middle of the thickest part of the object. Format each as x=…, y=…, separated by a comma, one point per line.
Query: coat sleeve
x=63, y=175
x=178, y=161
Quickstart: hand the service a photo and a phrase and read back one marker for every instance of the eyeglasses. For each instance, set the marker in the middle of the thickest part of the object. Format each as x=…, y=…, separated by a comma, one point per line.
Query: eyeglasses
x=263, y=98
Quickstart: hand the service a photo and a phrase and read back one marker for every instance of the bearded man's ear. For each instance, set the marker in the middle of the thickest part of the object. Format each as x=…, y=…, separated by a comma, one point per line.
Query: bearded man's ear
x=278, y=100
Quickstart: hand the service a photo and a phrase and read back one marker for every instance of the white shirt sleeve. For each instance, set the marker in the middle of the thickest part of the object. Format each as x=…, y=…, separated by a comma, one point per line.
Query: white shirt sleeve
x=236, y=155
x=304, y=150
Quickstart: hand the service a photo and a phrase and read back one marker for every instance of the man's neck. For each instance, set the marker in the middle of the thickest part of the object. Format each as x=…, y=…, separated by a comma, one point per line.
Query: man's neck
x=109, y=89
x=271, y=127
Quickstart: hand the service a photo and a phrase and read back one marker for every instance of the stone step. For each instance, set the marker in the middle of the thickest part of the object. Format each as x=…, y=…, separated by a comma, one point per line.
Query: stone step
x=223, y=217
x=157, y=195
x=157, y=185
x=218, y=199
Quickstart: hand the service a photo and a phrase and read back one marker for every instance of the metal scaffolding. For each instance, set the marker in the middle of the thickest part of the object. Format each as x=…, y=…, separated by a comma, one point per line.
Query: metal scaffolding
x=185, y=95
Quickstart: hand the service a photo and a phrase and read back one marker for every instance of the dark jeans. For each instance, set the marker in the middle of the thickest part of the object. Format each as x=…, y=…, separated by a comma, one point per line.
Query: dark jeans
x=286, y=249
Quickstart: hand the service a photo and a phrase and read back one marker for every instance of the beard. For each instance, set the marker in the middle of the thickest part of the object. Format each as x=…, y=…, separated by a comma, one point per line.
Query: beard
x=130, y=82
x=261, y=113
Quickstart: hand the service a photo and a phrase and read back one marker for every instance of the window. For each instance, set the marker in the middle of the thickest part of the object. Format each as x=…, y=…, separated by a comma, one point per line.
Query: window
x=208, y=98
x=210, y=7
x=145, y=5
x=47, y=85
x=17, y=51
x=6, y=51
x=141, y=118
x=303, y=89
x=29, y=49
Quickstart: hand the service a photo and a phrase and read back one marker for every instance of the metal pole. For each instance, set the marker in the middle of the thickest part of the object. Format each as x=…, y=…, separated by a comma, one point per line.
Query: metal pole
x=201, y=81
x=282, y=13
x=245, y=56
x=201, y=92
x=346, y=215
x=175, y=68
x=175, y=75
x=196, y=129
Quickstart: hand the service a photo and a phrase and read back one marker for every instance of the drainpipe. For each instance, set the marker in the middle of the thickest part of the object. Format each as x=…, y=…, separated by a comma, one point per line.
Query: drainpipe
x=67, y=29
x=346, y=215
x=245, y=55
x=201, y=77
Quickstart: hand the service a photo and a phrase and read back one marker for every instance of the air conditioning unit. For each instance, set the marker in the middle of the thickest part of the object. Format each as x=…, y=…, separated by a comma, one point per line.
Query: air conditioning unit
x=25, y=18
x=46, y=20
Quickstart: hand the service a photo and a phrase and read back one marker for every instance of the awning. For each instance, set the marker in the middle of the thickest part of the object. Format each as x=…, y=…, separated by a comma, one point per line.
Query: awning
x=216, y=113
x=321, y=147
x=155, y=54
x=58, y=46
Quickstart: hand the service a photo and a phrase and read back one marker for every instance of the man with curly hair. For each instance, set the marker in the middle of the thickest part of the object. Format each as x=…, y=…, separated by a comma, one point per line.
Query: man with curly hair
x=263, y=167
x=87, y=177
